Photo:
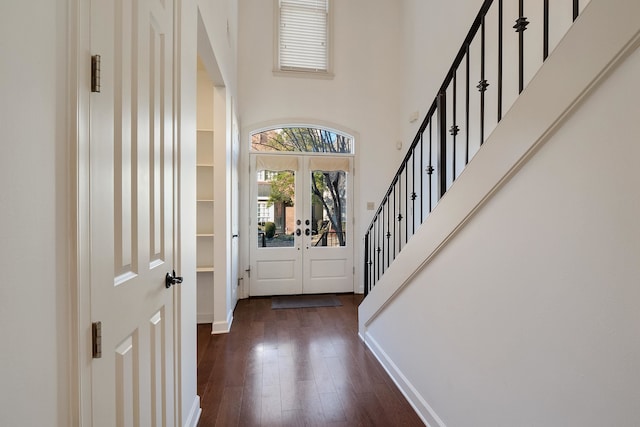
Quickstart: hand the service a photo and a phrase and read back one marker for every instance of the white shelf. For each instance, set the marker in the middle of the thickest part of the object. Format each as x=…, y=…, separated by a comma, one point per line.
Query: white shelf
x=204, y=162
x=204, y=197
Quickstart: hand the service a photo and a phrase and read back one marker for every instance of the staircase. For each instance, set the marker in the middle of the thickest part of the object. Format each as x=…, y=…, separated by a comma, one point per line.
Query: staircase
x=460, y=118
x=489, y=264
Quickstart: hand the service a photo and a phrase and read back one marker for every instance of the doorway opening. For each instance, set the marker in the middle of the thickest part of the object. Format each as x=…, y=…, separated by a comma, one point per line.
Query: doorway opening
x=216, y=183
x=301, y=185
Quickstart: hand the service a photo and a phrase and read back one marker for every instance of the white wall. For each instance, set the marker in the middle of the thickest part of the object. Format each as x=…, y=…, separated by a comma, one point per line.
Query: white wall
x=432, y=33
x=220, y=19
x=363, y=97
x=514, y=304
x=34, y=309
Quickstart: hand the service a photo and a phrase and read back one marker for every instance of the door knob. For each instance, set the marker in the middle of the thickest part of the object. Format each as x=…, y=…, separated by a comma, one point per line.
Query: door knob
x=307, y=232
x=172, y=279
x=298, y=232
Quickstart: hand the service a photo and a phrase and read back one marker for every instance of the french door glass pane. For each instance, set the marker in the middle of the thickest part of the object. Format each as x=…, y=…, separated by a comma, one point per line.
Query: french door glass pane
x=328, y=208
x=276, y=209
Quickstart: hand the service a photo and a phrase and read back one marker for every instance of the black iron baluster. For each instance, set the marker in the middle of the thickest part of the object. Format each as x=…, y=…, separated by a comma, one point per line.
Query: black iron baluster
x=370, y=263
x=500, y=30
x=394, y=221
x=576, y=9
x=545, y=41
x=454, y=127
x=430, y=167
x=388, y=235
x=373, y=250
x=366, y=263
x=372, y=260
x=378, y=253
x=406, y=202
x=421, y=178
x=399, y=213
x=377, y=248
x=467, y=118
x=413, y=191
x=383, y=241
x=482, y=85
x=442, y=139
x=520, y=27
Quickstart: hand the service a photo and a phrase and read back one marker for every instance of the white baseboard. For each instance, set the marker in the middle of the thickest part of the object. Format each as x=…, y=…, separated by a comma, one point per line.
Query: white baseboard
x=194, y=413
x=223, y=327
x=422, y=408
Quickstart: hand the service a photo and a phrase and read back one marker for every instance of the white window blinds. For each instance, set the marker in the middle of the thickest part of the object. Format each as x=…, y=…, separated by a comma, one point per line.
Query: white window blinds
x=303, y=35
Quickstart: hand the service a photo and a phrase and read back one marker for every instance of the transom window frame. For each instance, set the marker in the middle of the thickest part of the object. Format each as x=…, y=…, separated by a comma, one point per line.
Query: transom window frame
x=278, y=70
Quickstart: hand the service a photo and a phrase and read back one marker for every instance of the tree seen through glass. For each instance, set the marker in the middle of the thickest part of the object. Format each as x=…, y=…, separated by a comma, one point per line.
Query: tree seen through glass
x=328, y=188
x=302, y=139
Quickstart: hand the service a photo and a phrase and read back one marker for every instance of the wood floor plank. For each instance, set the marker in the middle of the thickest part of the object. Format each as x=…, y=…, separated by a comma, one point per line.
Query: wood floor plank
x=295, y=367
x=250, y=408
x=229, y=412
x=332, y=407
x=204, y=337
x=271, y=413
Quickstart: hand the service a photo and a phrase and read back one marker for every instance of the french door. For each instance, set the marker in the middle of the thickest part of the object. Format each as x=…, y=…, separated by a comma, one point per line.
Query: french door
x=302, y=240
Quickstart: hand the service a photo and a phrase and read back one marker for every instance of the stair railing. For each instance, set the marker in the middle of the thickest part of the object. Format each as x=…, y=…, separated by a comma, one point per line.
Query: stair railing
x=456, y=124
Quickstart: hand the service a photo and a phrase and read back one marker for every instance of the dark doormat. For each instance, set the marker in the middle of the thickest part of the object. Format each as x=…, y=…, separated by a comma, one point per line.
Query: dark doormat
x=304, y=301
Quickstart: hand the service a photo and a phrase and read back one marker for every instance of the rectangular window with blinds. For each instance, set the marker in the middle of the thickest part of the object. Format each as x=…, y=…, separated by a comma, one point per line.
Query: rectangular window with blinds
x=303, y=35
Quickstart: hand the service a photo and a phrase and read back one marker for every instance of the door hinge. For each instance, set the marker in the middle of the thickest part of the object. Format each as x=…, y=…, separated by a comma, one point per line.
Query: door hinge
x=354, y=270
x=96, y=340
x=95, y=73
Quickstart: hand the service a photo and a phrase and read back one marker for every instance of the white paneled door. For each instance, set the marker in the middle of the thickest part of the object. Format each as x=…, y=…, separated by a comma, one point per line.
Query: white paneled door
x=306, y=202
x=132, y=213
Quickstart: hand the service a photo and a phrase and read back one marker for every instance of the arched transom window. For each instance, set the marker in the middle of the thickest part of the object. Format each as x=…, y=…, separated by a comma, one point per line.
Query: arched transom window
x=302, y=139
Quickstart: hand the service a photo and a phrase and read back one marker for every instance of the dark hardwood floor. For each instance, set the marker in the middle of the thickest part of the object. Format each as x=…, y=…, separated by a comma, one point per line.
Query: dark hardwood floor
x=295, y=367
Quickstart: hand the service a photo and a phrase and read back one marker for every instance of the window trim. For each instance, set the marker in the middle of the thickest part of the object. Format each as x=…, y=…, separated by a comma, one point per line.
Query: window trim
x=303, y=73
